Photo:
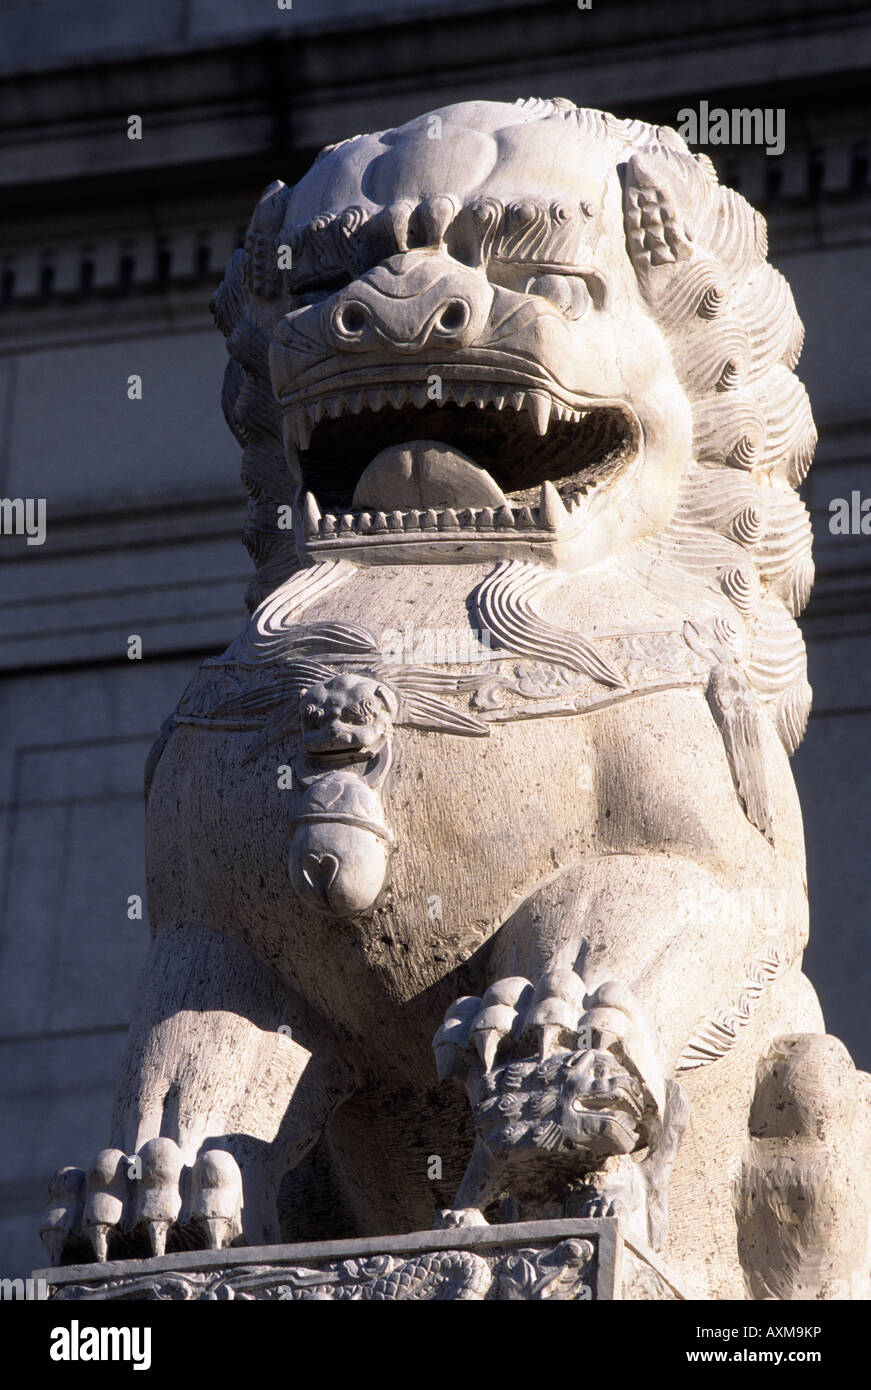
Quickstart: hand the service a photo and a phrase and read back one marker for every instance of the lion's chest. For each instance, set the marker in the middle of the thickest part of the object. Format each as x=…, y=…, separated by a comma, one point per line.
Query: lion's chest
x=475, y=825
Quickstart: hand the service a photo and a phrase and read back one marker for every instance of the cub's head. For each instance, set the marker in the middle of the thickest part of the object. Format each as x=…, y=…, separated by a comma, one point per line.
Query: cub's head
x=346, y=719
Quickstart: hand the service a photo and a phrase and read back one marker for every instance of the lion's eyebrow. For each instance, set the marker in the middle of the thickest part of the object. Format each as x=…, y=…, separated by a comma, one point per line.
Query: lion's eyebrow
x=549, y=253
x=530, y=229
x=338, y=244
x=326, y=247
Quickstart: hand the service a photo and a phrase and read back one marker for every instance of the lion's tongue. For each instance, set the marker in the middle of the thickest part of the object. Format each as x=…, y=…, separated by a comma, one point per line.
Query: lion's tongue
x=423, y=474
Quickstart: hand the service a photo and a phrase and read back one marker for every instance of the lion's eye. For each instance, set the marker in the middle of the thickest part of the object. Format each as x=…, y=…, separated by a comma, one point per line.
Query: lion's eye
x=355, y=714
x=313, y=714
x=568, y=292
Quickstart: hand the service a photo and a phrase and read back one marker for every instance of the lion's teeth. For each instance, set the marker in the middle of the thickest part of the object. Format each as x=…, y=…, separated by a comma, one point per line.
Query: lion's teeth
x=315, y=410
x=552, y=514
x=517, y=399
x=539, y=411
x=334, y=406
x=311, y=515
x=375, y=399
x=551, y=509
x=499, y=400
x=301, y=429
x=418, y=396
x=396, y=396
x=357, y=402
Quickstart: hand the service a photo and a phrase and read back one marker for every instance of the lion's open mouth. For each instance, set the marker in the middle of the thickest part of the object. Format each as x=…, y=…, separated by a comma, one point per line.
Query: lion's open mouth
x=339, y=757
x=617, y=1110
x=482, y=457
x=616, y=1098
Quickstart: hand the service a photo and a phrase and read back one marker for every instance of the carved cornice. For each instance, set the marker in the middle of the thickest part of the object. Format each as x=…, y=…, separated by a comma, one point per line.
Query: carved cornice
x=245, y=98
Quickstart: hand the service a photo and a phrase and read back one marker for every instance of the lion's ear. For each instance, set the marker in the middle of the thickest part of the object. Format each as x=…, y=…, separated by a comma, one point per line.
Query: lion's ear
x=675, y=211
x=265, y=278
x=389, y=699
x=656, y=234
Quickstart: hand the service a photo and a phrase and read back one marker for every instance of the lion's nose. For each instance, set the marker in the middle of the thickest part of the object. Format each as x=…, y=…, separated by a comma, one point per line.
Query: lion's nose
x=407, y=302
x=335, y=735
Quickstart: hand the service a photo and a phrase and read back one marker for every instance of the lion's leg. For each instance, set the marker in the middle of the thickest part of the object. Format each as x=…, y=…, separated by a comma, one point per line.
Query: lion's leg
x=227, y=1082
x=480, y=1186
x=621, y=956
x=677, y=934
x=803, y=1195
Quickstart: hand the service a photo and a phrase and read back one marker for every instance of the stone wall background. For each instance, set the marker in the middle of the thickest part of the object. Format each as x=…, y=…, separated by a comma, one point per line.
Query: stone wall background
x=109, y=251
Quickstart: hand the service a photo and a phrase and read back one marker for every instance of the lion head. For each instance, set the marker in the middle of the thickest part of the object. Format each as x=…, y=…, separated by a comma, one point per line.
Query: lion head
x=346, y=719
x=531, y=332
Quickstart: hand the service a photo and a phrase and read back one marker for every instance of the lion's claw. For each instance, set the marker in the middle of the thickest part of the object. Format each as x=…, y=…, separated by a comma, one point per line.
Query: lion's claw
x=106, y=1193
x=217, y=1197
x=63, y=1217
x=518, y=1018
x=127, y=1201
x=159, y=1198
x=513, y=1017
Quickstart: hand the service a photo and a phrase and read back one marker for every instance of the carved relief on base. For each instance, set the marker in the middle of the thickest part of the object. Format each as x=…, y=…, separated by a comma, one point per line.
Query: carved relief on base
x=566, y=1261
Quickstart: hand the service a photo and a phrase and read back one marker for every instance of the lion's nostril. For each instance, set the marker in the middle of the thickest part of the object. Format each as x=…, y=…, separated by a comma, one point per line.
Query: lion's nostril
x=454, y=316
x=351, y=318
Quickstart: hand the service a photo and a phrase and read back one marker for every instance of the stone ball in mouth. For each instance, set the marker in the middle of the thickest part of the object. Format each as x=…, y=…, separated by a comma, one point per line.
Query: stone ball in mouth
x=425, y=473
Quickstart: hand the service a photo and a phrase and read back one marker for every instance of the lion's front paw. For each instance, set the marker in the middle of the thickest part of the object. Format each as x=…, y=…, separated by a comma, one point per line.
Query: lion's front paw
x=602, y=1205
x=517, y=1018
x=564, y=1080
x=614, y=1019
x=449, y=1218
x=152, y=1197
x=514, y=1018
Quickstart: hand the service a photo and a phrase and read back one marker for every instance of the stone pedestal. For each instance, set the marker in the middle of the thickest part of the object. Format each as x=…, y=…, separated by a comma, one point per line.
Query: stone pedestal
x=566, y=1260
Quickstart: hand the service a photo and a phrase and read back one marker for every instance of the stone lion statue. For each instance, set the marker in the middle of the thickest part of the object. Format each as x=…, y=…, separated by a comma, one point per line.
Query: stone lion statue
x=503, y=752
